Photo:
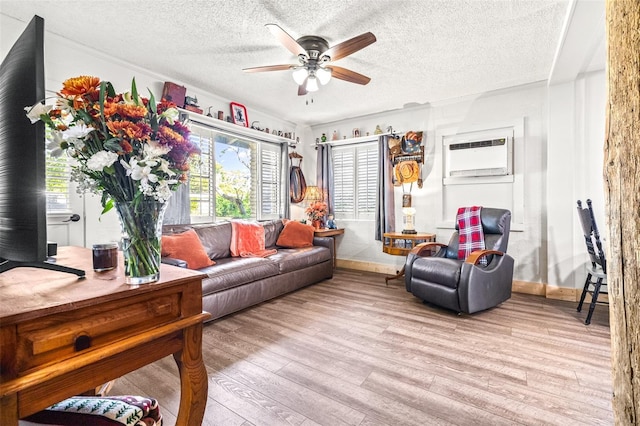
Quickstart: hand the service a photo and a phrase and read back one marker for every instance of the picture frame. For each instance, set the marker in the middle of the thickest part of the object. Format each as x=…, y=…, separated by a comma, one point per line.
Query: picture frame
x=406, y=200
x=239, y=114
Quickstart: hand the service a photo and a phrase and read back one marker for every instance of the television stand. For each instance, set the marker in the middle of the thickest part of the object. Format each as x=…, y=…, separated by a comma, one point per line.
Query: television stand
x=11, y=264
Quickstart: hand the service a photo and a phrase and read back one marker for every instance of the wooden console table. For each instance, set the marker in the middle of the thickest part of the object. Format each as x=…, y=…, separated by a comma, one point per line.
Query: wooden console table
x=333, y=233
x=399, y=244
x=61, y=336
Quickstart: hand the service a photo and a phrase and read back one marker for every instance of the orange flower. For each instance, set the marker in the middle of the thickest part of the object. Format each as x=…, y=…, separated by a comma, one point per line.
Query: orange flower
x=167, y=136
x=132, y=111
x=110, y=108
x=78, y=86
x=128, y=129
x=317, y=210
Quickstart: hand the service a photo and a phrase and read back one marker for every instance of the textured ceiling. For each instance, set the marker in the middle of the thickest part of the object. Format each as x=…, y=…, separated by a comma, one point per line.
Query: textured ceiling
x=426, y=50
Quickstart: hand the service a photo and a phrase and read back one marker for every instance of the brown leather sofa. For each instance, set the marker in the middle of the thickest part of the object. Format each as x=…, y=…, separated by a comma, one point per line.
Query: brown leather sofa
x=235, y=283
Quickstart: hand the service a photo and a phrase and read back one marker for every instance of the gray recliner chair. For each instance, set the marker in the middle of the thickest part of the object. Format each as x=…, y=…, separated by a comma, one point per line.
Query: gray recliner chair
x=464, y=285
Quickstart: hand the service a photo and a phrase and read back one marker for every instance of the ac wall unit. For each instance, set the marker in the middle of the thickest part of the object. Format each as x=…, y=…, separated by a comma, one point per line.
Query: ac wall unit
x=479, y=158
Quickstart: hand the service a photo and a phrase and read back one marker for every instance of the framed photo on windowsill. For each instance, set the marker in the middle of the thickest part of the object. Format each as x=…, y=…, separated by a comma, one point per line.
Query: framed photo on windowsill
x=239, y=114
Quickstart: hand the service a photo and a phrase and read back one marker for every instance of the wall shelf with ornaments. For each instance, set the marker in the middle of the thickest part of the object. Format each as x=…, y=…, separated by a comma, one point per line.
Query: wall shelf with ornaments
x=234, y=128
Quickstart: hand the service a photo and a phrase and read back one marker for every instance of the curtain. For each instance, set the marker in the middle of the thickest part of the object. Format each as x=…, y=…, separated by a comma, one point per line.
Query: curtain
x=178, y=211
x=324, y=174
x=385, y=201
x=286, y=199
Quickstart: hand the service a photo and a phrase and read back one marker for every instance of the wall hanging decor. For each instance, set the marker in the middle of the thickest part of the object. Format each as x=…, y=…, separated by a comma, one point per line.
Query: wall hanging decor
x=239, y=114
x=297, y=183
x=407, y=156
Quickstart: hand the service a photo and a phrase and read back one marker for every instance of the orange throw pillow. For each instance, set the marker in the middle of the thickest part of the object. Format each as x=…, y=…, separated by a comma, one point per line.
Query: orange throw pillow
x=188, y=247
x=296, y=235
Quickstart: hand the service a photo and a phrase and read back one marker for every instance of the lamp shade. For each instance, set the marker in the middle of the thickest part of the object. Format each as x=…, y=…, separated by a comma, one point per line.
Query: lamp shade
x=300, y=74
x=324, y=75
x=313, y=194
x=312, y=84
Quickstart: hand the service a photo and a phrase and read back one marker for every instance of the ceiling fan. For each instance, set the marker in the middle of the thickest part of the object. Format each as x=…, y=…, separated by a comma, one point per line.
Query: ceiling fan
x=314, y=57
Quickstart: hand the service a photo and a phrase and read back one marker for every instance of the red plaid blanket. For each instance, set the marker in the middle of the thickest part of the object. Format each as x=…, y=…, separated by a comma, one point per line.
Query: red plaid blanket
x=470, y=231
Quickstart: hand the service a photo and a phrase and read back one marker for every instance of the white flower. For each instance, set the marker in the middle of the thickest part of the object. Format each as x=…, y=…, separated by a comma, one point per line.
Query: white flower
x=77, y=132
x=153, y=149
x=139, y=171
x=55, y=145
x=34, y=112
x=100, y=160
x=144, y=174
x=165, y=167
x=163, y=191
x=171, y=115
x=129, y=166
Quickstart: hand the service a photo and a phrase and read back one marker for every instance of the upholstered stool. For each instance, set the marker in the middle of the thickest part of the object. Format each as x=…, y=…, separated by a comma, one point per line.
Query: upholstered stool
x=100, y=411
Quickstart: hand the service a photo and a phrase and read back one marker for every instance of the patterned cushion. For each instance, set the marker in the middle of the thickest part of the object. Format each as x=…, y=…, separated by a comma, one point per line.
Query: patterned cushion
x=101, y=411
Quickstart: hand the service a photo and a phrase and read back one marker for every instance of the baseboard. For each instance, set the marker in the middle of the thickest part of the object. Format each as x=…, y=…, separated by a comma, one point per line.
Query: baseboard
x=526, y=287
x=358, y=265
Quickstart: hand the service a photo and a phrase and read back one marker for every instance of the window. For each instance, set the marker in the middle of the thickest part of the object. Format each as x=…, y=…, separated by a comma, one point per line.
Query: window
x=355, y=175
x=234, y=177
x=57, y=172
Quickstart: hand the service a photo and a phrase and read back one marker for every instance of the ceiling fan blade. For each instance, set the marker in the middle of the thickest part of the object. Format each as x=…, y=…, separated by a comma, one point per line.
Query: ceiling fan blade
x=348, y=75
x=350, y=46
x=289, y=42
x=269, y=68
x=302, y=89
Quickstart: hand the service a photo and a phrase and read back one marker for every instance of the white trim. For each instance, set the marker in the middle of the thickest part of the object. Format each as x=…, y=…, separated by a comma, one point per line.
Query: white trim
x=361, y=139
x=235, y=129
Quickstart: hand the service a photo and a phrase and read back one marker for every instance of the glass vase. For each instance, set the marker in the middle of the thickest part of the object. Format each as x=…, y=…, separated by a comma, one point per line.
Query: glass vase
x=141, y=224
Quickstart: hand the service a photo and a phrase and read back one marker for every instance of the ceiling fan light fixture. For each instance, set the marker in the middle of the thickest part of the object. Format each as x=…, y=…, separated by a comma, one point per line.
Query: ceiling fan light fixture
x=324, y=75
x=312, y=84
x=300, y=75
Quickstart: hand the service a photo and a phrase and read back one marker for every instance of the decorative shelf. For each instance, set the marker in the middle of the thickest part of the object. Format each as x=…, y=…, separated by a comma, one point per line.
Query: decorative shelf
x=236, y=129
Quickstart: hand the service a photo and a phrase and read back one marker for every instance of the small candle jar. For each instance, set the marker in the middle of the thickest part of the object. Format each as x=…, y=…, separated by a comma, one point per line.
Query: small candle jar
x=105, y=257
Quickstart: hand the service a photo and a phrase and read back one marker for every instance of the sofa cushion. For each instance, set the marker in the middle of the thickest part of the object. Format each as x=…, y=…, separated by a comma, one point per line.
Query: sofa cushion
x=296, y=235
x=236, y=271
x=295, y=259
x=216, y=238
x=186, y=246
x=272, y=229
x=247, y=239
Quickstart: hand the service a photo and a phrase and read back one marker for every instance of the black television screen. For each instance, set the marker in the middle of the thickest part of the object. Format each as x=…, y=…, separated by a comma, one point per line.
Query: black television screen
x=23, y=216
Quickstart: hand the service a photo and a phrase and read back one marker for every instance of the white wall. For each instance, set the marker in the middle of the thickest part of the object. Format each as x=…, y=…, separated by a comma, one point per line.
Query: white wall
x=523, y=108
x=575, y=172
x=558, y=160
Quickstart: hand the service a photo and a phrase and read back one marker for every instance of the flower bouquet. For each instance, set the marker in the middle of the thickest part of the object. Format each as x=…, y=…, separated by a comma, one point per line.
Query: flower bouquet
x=130, y=150
x=316, y=212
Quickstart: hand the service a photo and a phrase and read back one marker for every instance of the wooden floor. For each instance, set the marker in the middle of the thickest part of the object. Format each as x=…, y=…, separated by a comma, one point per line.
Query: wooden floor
x=351, y=351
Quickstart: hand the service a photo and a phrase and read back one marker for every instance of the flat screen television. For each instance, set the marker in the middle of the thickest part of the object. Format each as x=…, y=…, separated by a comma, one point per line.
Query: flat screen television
x=23, y=215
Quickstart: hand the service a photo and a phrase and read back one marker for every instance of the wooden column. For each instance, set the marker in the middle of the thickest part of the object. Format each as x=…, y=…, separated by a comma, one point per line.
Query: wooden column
x=622, y=195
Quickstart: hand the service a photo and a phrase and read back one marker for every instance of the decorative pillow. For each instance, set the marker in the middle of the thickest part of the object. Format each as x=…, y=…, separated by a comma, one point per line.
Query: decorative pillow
x=188, y=247
x=247, y=240
x=101, y=411
x=296, y=235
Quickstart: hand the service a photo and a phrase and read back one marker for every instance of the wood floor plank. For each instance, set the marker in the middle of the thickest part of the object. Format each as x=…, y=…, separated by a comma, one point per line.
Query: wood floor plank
x=454, y=410
x=353, y=351
x=312, y=405
x=388, y=410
